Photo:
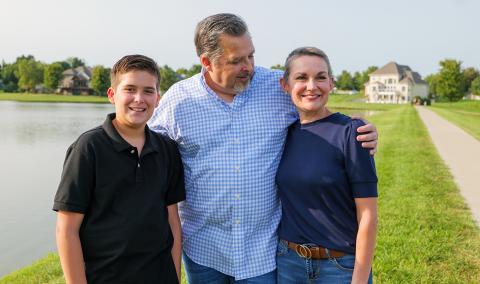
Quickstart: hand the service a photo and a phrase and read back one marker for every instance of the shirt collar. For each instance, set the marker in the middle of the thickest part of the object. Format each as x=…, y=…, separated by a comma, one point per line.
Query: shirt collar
x=119, y=144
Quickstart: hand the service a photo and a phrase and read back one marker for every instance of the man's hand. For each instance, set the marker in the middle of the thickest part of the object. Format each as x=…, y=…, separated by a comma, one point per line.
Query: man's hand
x=368, y=136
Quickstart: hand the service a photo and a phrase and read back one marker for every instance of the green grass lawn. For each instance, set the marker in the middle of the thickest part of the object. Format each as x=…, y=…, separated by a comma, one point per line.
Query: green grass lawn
x=426, y=233
x=465, y=114
x=51, y=98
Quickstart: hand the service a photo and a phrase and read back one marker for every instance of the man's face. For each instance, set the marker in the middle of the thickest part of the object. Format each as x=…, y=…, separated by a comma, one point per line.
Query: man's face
x=233, y=69
x=135, y=97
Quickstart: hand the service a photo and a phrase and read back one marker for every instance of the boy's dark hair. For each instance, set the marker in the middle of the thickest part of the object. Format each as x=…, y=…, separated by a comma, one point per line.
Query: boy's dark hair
x=134, y=62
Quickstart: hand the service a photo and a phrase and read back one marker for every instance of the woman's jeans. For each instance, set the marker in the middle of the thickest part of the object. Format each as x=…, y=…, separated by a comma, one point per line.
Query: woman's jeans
x=292, y=268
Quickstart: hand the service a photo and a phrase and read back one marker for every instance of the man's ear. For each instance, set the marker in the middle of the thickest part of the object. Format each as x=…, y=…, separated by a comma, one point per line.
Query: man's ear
x=206, y=62
x=111, y=95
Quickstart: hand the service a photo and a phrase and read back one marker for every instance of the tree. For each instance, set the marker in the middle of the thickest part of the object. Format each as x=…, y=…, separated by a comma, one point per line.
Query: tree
x=75, y=62
x=168, y=77
x=278, y=67
x=29, y=73
x=450, y=84
x=469, y=74
x=475, y=87
x=366, y=73
x=187, y=73
x=10, y=80
x=432, y=81
x=100, y=81
x=358, y=81
x=52, y=75
x=345, y=81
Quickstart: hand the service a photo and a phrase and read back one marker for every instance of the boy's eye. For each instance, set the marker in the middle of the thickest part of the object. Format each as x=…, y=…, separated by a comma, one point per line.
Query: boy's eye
x=300, y=77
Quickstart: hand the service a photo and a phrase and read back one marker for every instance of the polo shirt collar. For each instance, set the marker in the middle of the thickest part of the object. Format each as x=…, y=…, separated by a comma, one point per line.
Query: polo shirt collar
x=119, y=144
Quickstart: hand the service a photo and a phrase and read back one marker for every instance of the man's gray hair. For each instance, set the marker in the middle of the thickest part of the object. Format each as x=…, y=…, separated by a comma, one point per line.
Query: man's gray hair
x=302, y=51
x=209, y=30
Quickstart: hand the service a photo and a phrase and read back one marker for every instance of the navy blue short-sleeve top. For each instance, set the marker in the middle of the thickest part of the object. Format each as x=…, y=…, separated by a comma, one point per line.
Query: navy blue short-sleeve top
x=323, y=169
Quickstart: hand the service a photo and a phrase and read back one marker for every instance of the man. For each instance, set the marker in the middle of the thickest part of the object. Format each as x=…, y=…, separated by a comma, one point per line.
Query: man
x=230, y=123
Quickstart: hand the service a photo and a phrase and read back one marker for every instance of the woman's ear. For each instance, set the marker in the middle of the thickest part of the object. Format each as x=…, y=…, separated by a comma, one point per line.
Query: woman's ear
x=284, y=85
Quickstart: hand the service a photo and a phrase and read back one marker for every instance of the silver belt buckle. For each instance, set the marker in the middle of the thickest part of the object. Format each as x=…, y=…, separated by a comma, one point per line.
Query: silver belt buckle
x=303, y=251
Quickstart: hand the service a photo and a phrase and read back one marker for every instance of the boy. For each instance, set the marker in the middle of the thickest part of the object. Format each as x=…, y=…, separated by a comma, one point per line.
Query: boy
x=117, y=197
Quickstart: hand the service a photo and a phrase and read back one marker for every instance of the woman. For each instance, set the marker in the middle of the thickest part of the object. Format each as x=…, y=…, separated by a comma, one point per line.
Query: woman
x=327, y=184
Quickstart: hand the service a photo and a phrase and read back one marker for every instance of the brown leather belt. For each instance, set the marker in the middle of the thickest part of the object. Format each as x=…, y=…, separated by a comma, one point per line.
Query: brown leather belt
x=313, y=252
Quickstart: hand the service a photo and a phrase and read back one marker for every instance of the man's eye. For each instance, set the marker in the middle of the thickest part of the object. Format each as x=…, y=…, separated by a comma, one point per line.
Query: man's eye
x=300, y=78
x=129, y=89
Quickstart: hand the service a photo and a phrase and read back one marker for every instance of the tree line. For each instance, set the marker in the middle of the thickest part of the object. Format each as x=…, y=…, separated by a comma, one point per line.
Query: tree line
x=452, y=82
x=26, y=74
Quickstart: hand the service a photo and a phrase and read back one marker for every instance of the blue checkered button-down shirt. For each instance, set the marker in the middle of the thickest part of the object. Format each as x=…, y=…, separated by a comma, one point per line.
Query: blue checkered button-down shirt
x=230, y=153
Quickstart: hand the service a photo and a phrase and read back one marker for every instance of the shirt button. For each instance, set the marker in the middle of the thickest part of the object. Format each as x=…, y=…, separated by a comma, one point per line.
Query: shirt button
x=138, y=166
x=237, y=168
x=237, y=196
x=236, y=141
x=132, y=151
x=237, y=222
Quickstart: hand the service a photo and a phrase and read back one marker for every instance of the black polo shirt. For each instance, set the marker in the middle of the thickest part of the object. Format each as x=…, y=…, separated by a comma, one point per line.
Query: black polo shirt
x=125, y=234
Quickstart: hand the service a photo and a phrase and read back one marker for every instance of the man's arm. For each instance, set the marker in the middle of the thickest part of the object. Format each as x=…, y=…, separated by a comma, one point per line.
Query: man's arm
x=69, y=247
x=175, y=226
x=367, y=232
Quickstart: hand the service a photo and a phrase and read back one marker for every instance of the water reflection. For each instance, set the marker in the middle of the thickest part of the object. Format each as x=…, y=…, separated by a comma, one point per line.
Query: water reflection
x=33, y=139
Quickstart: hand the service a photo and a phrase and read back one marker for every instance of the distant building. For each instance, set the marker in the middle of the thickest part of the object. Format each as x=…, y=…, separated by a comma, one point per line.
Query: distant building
x=76, y=81
x=395, y=84
x=472, y=97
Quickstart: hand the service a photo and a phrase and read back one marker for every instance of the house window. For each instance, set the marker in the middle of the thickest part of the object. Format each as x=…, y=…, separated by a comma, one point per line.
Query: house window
x=389, y=81
x=374, y=88
x=403, y=89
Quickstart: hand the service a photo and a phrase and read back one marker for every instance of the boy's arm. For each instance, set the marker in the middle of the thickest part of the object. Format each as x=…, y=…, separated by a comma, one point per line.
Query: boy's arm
x=175, y=226
x=69, y=247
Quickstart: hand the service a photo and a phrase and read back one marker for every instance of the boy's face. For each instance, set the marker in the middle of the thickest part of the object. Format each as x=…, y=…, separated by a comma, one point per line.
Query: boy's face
x=135, y=97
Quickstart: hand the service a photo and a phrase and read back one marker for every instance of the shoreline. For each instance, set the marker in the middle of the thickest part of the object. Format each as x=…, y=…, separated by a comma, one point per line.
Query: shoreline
x=51, y=98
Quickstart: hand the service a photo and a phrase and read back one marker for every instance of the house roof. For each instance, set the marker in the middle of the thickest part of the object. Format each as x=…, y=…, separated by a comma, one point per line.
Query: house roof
x=403, y=71
x=391, y=68
x=81, y=72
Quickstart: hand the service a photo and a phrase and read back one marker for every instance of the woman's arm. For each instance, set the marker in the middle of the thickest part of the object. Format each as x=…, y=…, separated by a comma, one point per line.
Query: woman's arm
x=176, y=228
x=367, y=232
x=69, y=247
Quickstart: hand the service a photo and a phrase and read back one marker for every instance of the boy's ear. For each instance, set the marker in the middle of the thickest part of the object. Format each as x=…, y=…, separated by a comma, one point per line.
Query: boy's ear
x=158, y=98
x=206, y=62
x=111, y=95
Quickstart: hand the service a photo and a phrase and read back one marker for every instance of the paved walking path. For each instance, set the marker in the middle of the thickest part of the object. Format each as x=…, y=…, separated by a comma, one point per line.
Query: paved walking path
x=461, y=153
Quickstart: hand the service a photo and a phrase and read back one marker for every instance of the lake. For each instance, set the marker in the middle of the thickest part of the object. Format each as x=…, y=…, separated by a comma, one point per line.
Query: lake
x=34, y=138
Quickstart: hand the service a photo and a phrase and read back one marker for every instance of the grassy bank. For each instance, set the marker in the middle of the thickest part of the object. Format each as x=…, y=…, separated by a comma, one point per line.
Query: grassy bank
x=426, y=233
x=465, y=114
x=51, y=98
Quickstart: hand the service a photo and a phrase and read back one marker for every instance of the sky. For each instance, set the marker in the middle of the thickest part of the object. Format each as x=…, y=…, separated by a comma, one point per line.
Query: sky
x=355, y=34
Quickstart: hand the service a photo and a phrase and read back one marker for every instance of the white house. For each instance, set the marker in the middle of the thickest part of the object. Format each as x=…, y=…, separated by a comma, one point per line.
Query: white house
x=395, y=84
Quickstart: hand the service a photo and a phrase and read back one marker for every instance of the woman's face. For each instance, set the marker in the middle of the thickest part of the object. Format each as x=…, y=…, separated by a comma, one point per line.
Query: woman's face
x=308, y=84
